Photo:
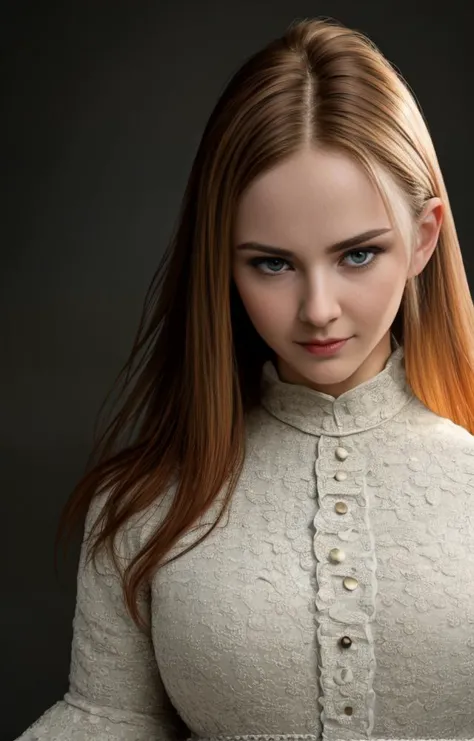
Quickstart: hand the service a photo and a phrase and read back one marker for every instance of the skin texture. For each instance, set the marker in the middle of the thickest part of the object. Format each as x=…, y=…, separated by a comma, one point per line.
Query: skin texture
x=312, y=200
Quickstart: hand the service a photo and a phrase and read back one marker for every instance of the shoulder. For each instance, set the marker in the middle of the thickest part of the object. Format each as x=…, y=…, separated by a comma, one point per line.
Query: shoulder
x=439, y=435
x=132, y=535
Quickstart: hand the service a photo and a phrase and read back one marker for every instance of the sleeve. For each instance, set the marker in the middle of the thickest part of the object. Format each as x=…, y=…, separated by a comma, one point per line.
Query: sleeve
x=115, y=690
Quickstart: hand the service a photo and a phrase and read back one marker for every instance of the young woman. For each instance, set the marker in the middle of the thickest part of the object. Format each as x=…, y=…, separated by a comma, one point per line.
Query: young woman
x=284, y=545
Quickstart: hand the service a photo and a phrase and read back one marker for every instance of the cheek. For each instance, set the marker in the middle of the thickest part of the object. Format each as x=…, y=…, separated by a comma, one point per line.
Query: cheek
x=266, y=306
x=380, y=297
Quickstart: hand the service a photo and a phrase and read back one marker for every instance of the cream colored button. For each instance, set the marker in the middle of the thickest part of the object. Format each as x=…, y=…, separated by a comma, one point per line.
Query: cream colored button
x=340, y=476
x=341, y=453
x=337, y=555
x=341, y=508
x=344, y=676
x=350, y=583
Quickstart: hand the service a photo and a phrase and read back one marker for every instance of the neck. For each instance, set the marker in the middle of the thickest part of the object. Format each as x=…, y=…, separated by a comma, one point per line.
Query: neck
x=367, y=405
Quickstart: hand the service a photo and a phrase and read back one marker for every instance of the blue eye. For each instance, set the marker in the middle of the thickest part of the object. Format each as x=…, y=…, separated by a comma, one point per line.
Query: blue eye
x=368, y=251
x=257, y=262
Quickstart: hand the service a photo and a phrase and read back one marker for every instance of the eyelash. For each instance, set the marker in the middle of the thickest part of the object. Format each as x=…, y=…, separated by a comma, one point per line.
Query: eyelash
x=257, y=261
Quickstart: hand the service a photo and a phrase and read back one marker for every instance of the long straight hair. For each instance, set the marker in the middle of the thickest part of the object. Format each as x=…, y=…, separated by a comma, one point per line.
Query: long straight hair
x=194, y=369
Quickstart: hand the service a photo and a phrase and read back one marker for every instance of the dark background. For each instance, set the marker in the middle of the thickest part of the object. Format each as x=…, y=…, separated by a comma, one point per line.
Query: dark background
x=104, y=104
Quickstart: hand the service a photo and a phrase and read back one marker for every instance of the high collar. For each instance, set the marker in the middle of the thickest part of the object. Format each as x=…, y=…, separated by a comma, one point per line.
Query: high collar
x=361, y=408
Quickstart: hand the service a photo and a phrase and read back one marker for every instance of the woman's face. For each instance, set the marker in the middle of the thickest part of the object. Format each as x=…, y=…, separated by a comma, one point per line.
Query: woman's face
x=306, y=205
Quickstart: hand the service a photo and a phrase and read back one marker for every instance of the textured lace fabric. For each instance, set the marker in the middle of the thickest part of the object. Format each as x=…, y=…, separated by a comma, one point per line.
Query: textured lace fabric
x=333, y=602
x=291, y=737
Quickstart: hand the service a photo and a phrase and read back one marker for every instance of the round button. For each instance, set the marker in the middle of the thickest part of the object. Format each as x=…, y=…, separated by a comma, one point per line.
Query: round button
x=337, y=555
x=341, y=508
x=348, y=710
x=341, y=453
x=340, y=476
x=345, y=642
x=343, y=676
x=350, y=583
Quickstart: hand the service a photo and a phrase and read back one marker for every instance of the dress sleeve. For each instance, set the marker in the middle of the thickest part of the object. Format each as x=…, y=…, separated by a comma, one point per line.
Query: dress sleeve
x=115, y=689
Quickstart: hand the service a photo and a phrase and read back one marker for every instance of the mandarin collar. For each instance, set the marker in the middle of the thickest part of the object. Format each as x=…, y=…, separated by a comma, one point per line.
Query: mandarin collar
x=363, y=407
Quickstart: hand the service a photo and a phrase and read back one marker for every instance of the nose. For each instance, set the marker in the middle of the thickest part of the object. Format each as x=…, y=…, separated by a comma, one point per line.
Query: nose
x=320, y=304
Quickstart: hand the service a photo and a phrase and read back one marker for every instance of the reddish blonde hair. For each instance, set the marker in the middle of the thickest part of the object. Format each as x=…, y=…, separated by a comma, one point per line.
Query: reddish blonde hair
x=194, y=369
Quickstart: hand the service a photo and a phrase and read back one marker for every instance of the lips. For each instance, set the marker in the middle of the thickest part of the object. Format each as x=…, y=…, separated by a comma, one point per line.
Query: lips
x=325, y=342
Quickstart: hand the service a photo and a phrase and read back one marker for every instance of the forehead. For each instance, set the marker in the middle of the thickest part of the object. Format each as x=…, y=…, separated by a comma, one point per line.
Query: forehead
x=313, y=197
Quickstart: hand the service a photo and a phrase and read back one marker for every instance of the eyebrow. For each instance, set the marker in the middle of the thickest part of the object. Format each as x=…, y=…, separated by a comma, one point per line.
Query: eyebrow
x=338, y=247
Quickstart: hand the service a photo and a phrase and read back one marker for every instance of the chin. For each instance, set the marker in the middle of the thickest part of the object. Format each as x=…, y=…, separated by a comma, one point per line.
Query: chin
x=324, y=372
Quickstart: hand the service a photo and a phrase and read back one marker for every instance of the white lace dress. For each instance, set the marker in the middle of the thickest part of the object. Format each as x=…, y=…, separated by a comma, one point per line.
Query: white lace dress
x=334, y=601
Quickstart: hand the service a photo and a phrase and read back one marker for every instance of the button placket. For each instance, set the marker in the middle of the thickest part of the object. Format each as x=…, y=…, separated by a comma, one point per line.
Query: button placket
x=345, y=588
x=337, y=555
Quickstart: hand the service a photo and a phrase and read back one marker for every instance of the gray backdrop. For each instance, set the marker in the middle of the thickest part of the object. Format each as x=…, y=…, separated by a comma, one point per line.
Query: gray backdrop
x=104, y=105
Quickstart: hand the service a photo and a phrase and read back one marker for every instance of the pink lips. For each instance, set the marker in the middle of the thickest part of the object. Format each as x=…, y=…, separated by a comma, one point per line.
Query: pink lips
x=325, y=349
x=331, y=341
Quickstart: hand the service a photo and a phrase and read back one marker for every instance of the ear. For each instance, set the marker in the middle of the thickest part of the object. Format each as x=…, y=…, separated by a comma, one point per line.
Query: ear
x=426, y=235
